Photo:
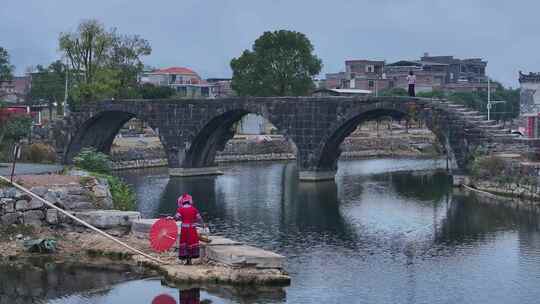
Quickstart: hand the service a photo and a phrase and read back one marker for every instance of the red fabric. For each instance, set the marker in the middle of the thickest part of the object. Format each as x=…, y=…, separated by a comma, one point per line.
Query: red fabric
x=190, y=296
x=189, y=239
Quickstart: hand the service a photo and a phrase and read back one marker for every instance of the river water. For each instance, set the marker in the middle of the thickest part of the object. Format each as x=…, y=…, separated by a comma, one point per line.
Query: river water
x=386, y=231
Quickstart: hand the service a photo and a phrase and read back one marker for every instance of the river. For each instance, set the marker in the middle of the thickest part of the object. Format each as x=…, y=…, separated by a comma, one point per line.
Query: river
x=386, y=231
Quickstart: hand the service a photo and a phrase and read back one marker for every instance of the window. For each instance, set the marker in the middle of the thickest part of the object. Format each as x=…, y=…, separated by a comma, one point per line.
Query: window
x=370, y=69
x=371, y=83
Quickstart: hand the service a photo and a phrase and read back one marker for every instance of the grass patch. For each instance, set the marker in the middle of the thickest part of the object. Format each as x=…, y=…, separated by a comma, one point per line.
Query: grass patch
x=7, y=231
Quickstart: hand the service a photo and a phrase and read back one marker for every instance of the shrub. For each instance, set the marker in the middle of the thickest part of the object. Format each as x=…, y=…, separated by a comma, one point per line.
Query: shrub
x=39, y=153
x=91, y=160
x=122, y=195
x=489, y=167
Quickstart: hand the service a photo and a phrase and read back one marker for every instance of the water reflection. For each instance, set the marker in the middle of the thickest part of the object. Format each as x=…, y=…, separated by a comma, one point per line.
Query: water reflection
x=36, y=280
x=380, y=233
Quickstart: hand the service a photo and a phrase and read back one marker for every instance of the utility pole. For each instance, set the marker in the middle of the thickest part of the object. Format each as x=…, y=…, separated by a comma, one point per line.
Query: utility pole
x=489, y=99
x=66, y=107
x=490, y=103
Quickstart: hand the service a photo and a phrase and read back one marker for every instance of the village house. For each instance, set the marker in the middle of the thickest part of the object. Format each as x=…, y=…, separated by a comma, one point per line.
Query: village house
x=15, y=90
x=529, y=104
x=443, y=73
x=184, y=81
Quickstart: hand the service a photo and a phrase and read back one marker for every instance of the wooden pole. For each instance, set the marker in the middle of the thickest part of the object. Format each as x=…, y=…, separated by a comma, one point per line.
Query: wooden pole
x=103, y=233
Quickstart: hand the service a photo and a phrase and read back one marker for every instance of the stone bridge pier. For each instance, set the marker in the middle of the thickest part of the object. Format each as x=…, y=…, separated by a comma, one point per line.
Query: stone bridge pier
x=192, y=131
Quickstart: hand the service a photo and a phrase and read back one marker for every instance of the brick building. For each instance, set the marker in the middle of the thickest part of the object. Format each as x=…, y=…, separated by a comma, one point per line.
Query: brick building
x=444, y=73
x=15, y=90
x=184, y=81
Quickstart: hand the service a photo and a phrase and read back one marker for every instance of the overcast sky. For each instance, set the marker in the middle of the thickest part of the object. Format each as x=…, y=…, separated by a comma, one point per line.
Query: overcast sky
x=205, y=35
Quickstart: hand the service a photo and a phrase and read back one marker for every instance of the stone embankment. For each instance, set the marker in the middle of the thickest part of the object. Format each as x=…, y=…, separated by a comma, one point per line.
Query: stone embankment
x=277, y=148
x=85, y=199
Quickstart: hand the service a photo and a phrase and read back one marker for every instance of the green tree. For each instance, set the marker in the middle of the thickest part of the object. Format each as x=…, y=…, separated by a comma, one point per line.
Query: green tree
x=49, y=84
x=150, y=91
x=6, y=69
x=125, y=57
x=86, y=48
x=104, y=63
x=281, y=63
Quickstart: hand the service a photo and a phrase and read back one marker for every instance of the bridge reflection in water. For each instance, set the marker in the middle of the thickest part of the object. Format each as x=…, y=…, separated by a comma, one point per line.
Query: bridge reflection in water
x=407, y=228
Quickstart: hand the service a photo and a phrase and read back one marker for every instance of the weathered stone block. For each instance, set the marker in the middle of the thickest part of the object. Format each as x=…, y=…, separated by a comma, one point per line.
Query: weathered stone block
x=11, y=193
x=244, y=255
x=10, y=218
x=23, y=205
x=107, y=219
x=41, y=191
x=51, y=216
x=33, y=217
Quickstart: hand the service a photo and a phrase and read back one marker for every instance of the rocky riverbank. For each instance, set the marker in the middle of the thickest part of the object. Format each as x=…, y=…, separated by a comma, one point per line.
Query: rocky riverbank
x=24, y=218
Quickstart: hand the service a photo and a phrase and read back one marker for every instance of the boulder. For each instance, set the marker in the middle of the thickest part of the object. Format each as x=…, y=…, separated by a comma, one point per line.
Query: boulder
x=11, y=193
x=7, y=205
x=10, y=218
x=33, y=217
x=23, y=205
x=51, y=216
x=41, y=191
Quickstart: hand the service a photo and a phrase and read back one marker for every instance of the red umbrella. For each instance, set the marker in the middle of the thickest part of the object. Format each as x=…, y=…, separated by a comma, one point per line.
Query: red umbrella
x=163, y=234
x=164, y=299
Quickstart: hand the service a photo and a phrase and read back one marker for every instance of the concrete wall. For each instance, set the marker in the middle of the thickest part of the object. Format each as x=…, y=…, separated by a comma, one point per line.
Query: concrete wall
x=530, y=98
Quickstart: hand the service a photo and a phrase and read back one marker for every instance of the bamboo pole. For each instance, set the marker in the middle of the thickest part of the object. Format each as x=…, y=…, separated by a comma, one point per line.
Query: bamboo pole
x=103, y=233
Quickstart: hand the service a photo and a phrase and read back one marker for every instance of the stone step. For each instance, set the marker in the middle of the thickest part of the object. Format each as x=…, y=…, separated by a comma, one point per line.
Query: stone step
x=470, y=113
x=223, y=250
x=493, y=127
x=243, y=255
x=476, y=118
x=499, y=131
x=107, y=219
x=486, y=123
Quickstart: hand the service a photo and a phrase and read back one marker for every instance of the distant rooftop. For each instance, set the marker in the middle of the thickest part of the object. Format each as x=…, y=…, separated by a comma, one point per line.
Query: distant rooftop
x=175, y=70
x=531, y=77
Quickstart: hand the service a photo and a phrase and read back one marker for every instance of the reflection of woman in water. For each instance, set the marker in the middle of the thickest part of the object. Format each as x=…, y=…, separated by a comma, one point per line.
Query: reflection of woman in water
x=190, y=296
x=189, y=239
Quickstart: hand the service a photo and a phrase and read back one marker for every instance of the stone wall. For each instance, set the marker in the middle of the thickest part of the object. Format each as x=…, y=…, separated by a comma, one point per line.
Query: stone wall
x=275, y=148
x=17, y=207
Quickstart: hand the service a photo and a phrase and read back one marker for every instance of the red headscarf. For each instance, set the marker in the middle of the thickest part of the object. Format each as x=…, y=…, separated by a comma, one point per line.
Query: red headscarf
x=185, y=198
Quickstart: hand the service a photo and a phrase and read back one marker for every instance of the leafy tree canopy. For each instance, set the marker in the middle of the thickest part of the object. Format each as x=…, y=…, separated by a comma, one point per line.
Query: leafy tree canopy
x=48, y=84
x=281, y=63
x=6, y=69
x=150, y=91
x=104, y=63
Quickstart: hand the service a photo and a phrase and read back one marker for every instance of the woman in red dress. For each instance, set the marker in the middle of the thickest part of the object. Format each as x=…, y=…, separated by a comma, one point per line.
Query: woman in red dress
x=189, y=239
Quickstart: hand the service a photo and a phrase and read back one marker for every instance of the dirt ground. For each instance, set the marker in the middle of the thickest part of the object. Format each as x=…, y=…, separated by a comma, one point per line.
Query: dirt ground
x=85, y=245
x=46, y=180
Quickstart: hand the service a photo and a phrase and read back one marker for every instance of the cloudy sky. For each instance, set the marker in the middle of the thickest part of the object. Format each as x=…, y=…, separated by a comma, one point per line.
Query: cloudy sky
x=205, y=35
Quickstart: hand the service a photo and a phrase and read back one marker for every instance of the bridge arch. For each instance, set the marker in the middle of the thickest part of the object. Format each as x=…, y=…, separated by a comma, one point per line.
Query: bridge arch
x=352, y=117
x=98, y=130
x=212, y=135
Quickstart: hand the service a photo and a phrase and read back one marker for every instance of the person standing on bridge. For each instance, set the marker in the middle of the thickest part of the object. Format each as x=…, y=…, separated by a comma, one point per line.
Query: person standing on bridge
x=189, y=239
x=411, y=80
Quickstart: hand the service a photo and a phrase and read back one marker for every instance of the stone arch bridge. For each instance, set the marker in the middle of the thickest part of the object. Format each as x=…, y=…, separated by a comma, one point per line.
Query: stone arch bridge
x=192, y=131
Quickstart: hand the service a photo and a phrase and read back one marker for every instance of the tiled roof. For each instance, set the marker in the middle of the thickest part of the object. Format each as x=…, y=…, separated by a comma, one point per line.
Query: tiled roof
x=175, y=70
